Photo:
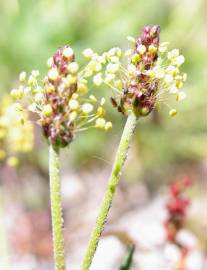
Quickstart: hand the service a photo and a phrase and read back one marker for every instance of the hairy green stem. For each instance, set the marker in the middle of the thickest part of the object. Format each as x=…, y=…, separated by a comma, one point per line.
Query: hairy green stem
x=112, y=184
x=56, y=208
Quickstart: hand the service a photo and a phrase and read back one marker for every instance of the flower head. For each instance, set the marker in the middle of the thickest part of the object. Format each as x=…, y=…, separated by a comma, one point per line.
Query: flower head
x=151, y=73
x=16, y=134
x=60, y=99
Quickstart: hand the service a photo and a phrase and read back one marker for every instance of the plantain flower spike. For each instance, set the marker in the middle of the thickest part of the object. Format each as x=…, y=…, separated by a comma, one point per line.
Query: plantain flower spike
x=61, y=99
x=152, y=73
x=16, y=134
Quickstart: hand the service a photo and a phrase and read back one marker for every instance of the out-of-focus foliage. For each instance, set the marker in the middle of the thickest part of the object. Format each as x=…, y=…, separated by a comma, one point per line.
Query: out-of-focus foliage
x=16, y=131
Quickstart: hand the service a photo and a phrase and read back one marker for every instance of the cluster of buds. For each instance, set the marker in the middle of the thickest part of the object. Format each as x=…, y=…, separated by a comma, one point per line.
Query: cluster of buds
x=177, y=206
x=151, y=73
x=16, y=135
x=61, y=99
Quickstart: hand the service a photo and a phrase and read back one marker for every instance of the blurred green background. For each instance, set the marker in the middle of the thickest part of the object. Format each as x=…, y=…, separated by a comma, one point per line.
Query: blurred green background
x=164, y=148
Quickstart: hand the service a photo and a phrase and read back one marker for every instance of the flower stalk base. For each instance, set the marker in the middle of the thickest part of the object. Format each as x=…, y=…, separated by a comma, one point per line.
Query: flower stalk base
x=109, y=194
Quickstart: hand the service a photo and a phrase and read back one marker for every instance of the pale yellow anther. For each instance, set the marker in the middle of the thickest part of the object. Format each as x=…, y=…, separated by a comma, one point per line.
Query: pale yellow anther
x=179, y=84
x=88, y=53
x=71, y=79
x=118, y=84
x=100, y=122
x=73, y=115
x=73, y=67
x=50, y=62
x=92, y=65
x=68, y=52
x=172, y=70
x=131, y=69
x=97, y=79
x=112, y=68
x=32, y=107
x=73, y=104
x=131, y=39
x=111, y=52
x=181, y=96
x=172, y=112
x=37, y=89
x=173, y=89
x=128, y=52
x=162, y=49
x=108, y=126
x=114, y=59
x=93, y=98
x=172, y=54
x=39, y=97
x=75, y=96
x=178, y=61
x=159, y=72
x=16, y=94
x=22, y=77
x=118, y=52
x=50, y=88
x=98, y=67
x=27, y=90
x=32, y=81
x=82, y=88
x=47, y=110
x=102, y=102
x=152, y=49
x=141, y=49
x=88, y=72
x=168, y=78
x=87, y=108
x=184, y=77
x=109, y=77
x=100, y=111
x=35, y=73
x=101, y=59
x=135, y=58
x=53, y=74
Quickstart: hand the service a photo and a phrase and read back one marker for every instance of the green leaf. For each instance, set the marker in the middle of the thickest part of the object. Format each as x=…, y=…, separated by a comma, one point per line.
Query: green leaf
x=127, y=262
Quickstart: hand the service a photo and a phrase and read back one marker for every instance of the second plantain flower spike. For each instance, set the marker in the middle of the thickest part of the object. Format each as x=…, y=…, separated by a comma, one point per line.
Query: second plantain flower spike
x=61, y=99
x=152, y=73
